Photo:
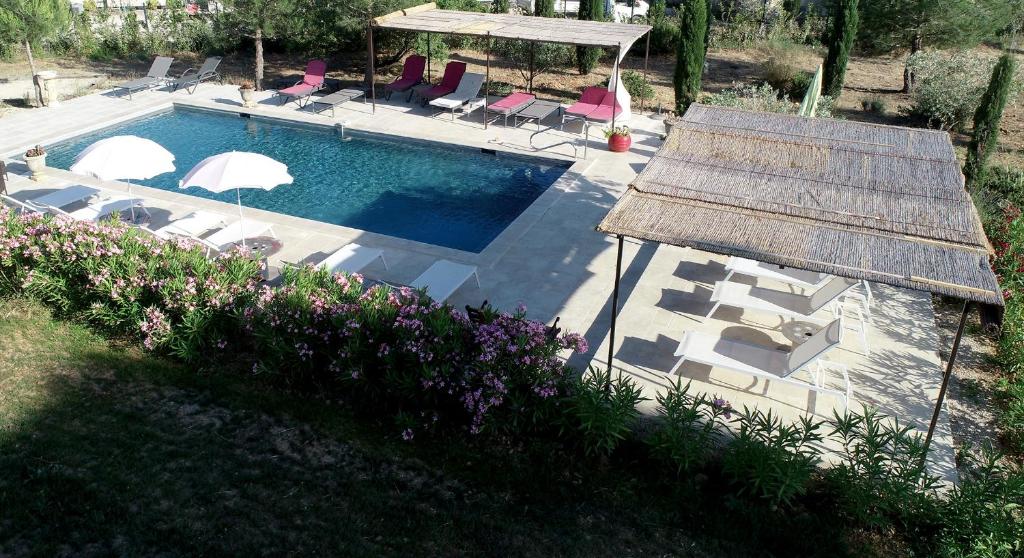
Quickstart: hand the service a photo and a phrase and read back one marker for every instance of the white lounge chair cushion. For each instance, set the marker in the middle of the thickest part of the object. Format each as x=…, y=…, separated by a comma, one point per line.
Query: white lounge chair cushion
x=193, y=224
x=469, y=88
x=235, y=232
x=351, y=258
x=793, y=276
x=100, y=209
x=790, y=305
x=443, y=278
x=65, y=196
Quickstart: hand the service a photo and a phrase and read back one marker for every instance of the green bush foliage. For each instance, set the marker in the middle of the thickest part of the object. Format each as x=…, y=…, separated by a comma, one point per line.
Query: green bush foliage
x=602, y=411
x=840, y=43
x=950, y=86
x=588, y=57
x=688, y=433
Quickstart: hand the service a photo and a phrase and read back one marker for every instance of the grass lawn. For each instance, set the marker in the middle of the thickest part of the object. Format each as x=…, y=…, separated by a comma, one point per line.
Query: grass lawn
x=105, y=450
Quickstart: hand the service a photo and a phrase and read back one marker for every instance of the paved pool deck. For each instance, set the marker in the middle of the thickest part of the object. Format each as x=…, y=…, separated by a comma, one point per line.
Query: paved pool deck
x=551, y=258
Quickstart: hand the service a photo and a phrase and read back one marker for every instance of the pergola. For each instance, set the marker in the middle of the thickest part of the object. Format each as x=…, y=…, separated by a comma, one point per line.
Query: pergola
x=880, y=203
x=427, y=18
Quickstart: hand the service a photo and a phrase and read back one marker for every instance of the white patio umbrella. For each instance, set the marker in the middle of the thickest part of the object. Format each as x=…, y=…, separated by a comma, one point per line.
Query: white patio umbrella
x=237, y=170
x=124, y=158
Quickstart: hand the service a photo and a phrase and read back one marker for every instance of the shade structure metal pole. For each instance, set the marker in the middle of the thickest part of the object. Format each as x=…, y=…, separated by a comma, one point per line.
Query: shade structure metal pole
x=241, y=221
x=428, y=58
x=533, y=46
x=615, y=305
x=487, y=80
x=946, y=376
x=647, y=57
x=373, y=70
x=618, y=78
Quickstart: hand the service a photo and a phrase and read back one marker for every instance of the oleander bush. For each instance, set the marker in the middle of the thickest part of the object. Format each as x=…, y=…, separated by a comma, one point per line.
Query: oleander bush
x=499, y=377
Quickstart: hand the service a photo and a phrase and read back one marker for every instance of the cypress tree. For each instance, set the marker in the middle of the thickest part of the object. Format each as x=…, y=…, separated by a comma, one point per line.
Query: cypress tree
x=587, y=57
x=844, y=32
x=693, y=22
x=986, y=119
x=544, y=8
x=707, y=28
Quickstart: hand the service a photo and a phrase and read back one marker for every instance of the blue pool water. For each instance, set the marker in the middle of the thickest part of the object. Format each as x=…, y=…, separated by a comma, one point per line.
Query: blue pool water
x=445, y=195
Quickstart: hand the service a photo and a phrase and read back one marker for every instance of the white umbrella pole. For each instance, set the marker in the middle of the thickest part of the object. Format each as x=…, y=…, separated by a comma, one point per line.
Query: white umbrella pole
x=131, y=200
x=241, y=221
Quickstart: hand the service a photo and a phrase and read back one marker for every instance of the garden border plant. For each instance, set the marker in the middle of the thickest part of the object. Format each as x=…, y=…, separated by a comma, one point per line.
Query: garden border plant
x=496, y=376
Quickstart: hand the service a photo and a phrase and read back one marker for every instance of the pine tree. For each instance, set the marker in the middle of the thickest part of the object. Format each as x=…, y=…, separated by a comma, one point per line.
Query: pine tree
x=844, y=31
x=987, y=118
x=587, y=57
x=27, y=22
x=544, y=8
x=693, y=23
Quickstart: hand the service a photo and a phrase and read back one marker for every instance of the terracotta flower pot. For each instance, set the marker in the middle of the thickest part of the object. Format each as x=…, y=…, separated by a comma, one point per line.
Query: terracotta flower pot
x=619, y=143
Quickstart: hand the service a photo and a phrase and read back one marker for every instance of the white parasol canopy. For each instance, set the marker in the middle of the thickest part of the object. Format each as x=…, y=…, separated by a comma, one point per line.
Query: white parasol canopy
x=237, y=170
x=124, y=158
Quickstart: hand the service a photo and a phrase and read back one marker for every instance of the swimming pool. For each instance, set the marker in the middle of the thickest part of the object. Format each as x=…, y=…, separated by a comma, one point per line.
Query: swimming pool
x=429, y=192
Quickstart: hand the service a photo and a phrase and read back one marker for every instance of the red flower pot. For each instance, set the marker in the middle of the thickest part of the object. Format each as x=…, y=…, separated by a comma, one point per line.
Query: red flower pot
x=619, y=143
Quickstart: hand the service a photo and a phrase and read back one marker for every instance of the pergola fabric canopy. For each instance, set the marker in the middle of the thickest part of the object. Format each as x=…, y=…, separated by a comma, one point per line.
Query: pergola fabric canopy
x=428, y=19
x=881, y=203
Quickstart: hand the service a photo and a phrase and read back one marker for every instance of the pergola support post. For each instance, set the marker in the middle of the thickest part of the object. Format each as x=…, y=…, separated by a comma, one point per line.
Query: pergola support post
x=487, y=80
x=647, y=57
x=946, y=376
x=371, y=58
x=428, y=58
x=615, y=303
x=618, y=78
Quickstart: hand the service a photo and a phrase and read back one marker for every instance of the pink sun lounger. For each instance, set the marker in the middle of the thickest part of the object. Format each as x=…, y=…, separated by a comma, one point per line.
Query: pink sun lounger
x=589, y=101
x=412, y=74
x=452, y=76
x=603, y=112
x=312, y=82
x=511, y=104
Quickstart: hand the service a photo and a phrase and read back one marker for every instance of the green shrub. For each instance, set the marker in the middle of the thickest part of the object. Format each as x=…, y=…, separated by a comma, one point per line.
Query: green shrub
x=763, y=98
x=882, y=478
x=983, y=516
x=949, y=87
x=602, y=411
x=688, y=432
x=874, y=104
x=637, y=86
x=769, y=460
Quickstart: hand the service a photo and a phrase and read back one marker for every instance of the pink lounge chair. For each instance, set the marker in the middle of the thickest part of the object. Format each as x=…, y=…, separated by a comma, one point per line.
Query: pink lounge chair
x=412, y=74
x=312, y=82
x=511, y=104
x=589, y=101
x=452, y=76
x=603, y=112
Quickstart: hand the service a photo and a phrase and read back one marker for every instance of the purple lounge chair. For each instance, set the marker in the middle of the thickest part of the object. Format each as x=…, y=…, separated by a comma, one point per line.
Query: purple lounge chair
x=511, y=104
x=588, y=103
x=603, y=112
x=312, y=82
x=412, y=74
x=452, y=76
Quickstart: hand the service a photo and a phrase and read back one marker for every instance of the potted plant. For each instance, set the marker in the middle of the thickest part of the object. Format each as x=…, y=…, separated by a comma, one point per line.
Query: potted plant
x=246, y=91
x=618, y=139
x=35, y=158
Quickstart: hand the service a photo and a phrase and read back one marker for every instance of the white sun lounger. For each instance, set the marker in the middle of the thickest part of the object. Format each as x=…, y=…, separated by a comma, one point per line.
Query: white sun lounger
x=98, y=210
x=443, y=278
x=791, y=305
x=352, y=258
x=783, y=274
x=193, y=224
x=18, y=206
x=768, y=363
x=468, y=89
x=234, y=233
x=65, y=196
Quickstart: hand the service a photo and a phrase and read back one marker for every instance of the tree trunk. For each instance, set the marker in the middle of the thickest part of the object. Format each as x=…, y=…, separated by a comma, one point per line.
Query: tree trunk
x=32, y=68
x=908, y=76
x=259, y=59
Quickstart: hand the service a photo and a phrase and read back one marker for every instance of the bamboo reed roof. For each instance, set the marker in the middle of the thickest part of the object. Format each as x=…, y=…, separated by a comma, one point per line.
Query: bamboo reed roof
x=881, y=203
x=426, y=18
